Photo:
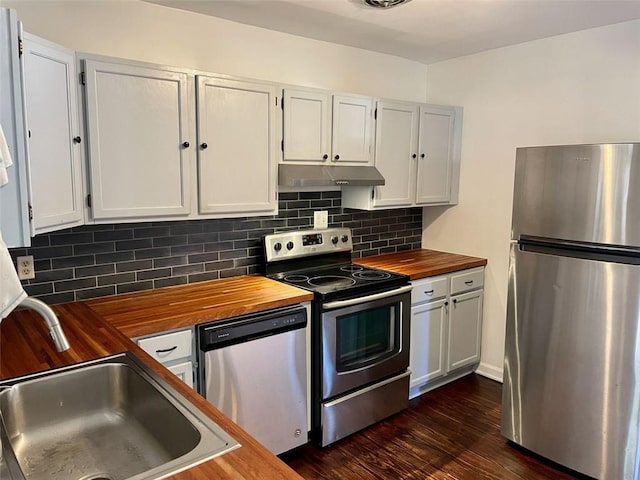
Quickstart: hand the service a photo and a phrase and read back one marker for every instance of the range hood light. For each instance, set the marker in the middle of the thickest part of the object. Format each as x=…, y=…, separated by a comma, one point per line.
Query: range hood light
x=384, y=3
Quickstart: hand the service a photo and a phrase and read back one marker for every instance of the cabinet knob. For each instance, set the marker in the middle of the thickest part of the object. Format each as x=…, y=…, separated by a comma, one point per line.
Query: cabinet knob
x=75, y=139
x=422, y=155
x=337, y=157
x=415, y=155
x=446, y=304
x=185, y=144
x=455, y=300
x=325, y=156
x=203, y=146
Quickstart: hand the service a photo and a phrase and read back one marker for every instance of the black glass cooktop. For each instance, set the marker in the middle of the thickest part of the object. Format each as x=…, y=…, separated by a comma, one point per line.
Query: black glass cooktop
x=346, y=280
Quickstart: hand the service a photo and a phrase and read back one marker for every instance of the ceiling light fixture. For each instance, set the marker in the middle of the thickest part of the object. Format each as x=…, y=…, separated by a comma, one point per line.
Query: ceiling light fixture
x=384, y=3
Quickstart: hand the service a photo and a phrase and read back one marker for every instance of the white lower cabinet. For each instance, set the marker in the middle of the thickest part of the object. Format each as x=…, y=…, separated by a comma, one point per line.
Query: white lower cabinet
x=446, y=328
x=175, y=350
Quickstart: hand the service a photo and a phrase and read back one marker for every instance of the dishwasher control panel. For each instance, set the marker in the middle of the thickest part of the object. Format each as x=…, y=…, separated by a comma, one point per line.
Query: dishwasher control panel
x=243, y=329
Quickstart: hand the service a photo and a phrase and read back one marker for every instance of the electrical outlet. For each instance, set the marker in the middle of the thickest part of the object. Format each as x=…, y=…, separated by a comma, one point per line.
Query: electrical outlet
x=25, y=267
x=321, y=219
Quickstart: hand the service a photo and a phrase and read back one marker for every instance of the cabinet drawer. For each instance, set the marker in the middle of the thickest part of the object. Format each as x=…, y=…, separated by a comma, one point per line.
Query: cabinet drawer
x=428, y=289
x=169, y=346
x=467, y=280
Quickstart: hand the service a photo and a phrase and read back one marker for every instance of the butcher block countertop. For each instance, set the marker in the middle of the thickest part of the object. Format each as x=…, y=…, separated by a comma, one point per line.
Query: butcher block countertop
x=25, y=348
x=421, y=263
x=154, y=311
x=103, y=327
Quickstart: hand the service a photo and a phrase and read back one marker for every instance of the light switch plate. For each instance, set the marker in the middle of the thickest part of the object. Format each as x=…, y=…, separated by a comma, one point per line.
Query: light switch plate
x=321, y=219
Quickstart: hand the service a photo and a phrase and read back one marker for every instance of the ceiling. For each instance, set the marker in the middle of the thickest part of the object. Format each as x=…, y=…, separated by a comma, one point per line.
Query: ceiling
x=427, y=31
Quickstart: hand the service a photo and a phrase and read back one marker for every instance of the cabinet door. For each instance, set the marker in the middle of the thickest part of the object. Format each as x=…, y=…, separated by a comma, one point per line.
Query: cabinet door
x=184, y=371
x=427, y=342
x=351, y=134
x=395, y=151
x=465, y=329
x=435, y=154
x=14, y=196
x=138, y=119
x=236, y=151
x=52, y=118
x=307, y=126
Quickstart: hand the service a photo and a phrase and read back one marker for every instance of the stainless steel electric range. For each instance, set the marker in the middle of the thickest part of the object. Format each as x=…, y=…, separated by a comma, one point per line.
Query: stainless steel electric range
x=359, y=329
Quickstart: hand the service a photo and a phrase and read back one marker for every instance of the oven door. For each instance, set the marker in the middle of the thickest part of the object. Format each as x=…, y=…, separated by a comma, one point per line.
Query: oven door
x=364, y=340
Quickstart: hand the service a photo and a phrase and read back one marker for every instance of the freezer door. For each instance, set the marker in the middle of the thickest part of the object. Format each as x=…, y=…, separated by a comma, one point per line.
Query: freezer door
x=572, y=362
x=588, y=193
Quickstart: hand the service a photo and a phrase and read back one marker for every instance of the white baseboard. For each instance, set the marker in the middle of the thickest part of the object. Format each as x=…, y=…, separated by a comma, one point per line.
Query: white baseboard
x=490, y=371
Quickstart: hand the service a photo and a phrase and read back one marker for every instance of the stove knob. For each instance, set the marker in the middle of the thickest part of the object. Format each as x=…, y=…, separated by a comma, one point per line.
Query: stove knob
x=277, y=247
x=289, y=245
x=334, y=240
x=344, y=238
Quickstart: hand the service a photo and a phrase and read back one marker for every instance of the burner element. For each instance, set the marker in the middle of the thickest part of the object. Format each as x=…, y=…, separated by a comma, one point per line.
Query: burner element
x=331, y=280
x=371, y=275
x=351, y=268
x=296, y=278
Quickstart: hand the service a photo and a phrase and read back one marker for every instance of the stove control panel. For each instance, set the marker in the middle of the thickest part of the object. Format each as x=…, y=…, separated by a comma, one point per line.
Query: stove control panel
x=303, y=243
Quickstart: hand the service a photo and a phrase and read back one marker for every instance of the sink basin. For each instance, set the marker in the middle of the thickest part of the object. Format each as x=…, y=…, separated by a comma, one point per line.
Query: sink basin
x=113, y=418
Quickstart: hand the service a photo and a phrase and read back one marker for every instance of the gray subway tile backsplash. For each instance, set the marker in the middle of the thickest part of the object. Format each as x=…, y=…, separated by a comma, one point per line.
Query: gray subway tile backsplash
x=98, y=260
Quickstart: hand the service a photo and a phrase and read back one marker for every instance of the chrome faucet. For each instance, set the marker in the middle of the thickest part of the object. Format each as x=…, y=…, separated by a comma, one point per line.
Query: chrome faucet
x=55, y=329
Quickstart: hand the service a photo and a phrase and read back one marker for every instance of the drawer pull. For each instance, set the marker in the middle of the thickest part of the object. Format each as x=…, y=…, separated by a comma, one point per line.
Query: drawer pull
x=469, y=282
x=429, y=292
x=167, y=350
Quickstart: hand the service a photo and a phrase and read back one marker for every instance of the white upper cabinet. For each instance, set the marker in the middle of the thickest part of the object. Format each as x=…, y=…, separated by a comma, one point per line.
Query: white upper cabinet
x=14, y=196
x=435, y=155
x=417, y=151
x=54, y=141
x=139, y=138
x=395, y=153
x=352, y=121
x=236, y=146
x=328, y=129
x=307, y=126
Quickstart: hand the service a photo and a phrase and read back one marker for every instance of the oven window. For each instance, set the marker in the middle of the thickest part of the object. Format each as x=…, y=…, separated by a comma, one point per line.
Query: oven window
x=366, y=337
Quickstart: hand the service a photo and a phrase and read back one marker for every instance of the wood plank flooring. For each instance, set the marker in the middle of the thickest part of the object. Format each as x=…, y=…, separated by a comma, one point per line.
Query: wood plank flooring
x=451, y=433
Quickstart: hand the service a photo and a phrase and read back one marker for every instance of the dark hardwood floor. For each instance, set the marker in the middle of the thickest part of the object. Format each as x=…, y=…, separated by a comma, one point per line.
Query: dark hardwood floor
x=450, y=433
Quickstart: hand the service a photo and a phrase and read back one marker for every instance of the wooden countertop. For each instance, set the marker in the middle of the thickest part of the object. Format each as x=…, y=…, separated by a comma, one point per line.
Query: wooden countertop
x=101, y=327
x=154, y=311
x=25, y=347
x=422, y=263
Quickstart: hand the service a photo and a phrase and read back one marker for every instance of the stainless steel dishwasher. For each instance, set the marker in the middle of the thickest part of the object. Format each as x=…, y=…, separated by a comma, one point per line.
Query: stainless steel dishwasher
x=254, y=369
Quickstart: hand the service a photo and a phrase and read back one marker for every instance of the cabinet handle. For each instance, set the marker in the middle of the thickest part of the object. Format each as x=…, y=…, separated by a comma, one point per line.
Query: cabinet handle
x=422, y=155
x=325, y=156
x=469, y=282
x=455, y=300
x=446, y=304
x=203, y=146
x=75, y=139
x=429, y=292
x=186, y=144
x=337, y=157
x=167, y=350
x=415, y=155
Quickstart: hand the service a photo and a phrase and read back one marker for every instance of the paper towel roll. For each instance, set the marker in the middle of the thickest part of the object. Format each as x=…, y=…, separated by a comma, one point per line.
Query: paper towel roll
x=11, y=291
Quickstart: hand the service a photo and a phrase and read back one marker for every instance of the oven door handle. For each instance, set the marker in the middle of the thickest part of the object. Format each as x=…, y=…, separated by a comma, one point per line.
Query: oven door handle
x=368, y=298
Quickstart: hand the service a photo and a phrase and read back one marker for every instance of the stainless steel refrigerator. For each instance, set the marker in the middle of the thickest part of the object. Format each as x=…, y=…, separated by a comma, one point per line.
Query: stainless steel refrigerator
x=571, y=388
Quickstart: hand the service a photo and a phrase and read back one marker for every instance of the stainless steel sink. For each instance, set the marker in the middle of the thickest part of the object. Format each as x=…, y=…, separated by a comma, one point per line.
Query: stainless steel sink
x=113, y=418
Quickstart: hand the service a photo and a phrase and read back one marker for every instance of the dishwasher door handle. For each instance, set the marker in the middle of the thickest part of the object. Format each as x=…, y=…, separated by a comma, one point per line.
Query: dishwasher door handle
x=368, y=298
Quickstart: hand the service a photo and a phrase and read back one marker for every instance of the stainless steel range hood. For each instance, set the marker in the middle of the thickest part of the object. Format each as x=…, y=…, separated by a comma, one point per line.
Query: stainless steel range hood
x=328, y=176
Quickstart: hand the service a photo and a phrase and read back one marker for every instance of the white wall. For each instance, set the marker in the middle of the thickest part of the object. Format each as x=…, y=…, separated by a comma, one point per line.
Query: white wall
x=582, y=87
x=159, y=34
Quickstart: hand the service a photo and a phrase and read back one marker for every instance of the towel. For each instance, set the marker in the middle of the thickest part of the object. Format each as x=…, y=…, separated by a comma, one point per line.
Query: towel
x=5, y=159
x=11, y=291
